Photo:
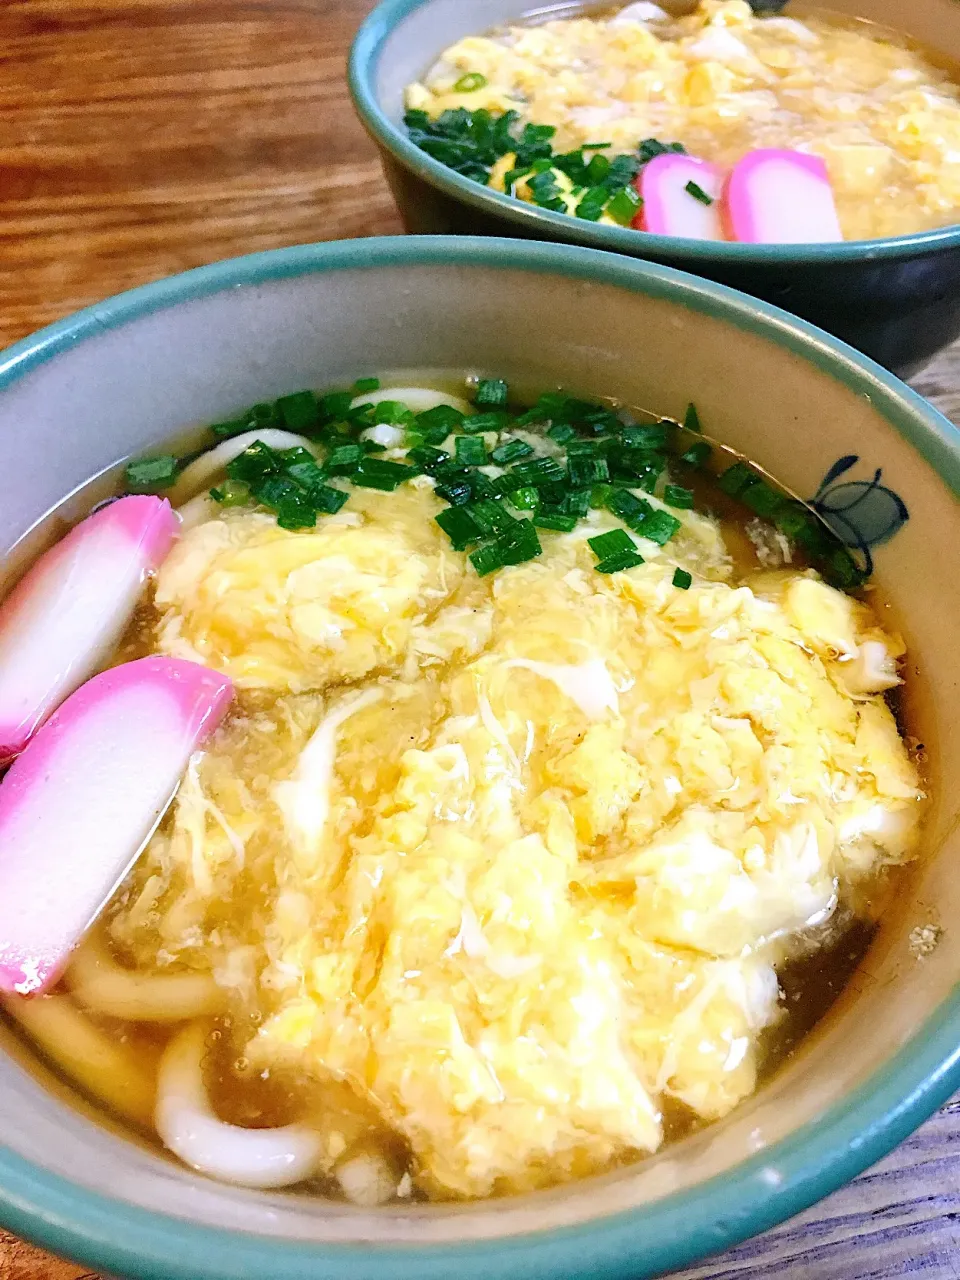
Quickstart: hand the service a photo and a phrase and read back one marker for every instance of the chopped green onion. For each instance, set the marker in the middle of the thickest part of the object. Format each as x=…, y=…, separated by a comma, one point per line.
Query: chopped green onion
x=525, y=498
x=360, y=416
x=470, y=83
x=556, y=520
x=697, y=454
x=457, y=492
x=552, y=494
x=427, y=435
x=256, y=462
x=300, y=411
x=151, y=475
x=459, y=526
x=232, y=493
x=272, y=490
x=613, y=543
x=586, y=470
x=682, y=579
x=600, y=420
x=592, y=205
x=427, y=458
x=623, y=169
x=470, y=451
x=519, y=543
x=650, y=148
x=625, y=205
x=691, y=419
x=327, y=499
x=265, y=414
x=537, y=471
x=343, y=459
x=305, y=473
x=659, y=527
x=442, y=417
x=491, y=516
x=491, y=393
x=647, y=475
x=632, y=510
x=736, y=479
x=363, y=386
x=335, y=405
x=600, y=496
x=587, y=448
x=393, y=413
x=546, y=193
x=512, y=177
x=617, y=563
x=297, y=456
x=842, y=571
x=494, y=421
x=486, y=559
x=561, y=432
x=698, y=193
x=676, y=496
x=576, y=502
x=640, y=468
x=374, y=473
x=511, y=451
x=295, y=512
x=762, y=499
x=452, y=474
x=793, y=519
x=816, y=540
x=596, y=146
x=650, y=435
x=598, y=170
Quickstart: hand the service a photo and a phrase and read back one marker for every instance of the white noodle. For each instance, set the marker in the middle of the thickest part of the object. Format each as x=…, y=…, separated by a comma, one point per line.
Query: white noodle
x=187, y=1125
x=106, y=1070
x=198, y=510
x=416, y=399
x=211, y=464
x=98, y=983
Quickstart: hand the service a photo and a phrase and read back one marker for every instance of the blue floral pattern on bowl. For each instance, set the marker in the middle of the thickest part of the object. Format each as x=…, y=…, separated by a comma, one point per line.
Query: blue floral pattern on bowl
x=862, y=513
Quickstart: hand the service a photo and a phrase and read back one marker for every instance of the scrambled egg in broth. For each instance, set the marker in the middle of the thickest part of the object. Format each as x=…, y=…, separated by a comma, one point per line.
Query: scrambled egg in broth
x=500, y=868
x=724, y=81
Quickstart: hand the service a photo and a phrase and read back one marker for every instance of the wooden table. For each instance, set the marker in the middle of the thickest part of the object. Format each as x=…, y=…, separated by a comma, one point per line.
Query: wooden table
x=143, y=137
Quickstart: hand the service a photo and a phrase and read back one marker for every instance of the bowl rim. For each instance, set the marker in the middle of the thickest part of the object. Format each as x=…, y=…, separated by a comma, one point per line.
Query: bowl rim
x=784, y=1178
x=364, y=58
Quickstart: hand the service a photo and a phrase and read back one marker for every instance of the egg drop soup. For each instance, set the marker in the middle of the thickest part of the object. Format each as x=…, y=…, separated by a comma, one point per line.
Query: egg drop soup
x=722, y=83
x=549, y=761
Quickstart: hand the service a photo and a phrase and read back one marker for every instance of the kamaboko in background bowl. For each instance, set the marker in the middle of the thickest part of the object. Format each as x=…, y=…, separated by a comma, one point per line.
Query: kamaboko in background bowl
x=897, y=299
x=134, y=373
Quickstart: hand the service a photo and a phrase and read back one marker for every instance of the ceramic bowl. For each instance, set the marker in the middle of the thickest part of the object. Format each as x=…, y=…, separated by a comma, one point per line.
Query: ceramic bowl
x=896, y=299
x=121, y=378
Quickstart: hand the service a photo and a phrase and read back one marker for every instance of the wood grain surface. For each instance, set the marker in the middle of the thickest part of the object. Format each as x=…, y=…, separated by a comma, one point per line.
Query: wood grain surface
x=143, y=137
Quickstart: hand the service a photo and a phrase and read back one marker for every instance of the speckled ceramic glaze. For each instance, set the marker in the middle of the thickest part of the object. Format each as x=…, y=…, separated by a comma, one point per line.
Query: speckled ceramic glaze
x=896, y=299
x=118, y=379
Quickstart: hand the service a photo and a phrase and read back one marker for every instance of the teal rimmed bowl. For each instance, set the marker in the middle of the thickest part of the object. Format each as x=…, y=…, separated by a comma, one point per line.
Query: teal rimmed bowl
x=120, y=378
x=896, y=299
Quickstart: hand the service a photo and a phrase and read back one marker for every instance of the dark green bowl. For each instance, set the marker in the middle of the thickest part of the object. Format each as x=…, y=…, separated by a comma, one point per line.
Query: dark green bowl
x=897, y=299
